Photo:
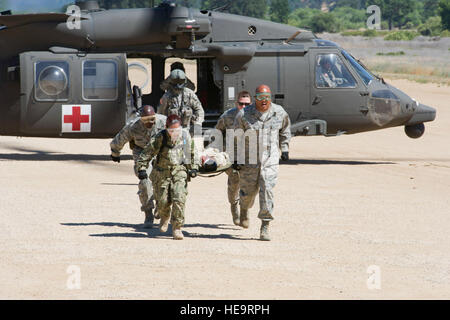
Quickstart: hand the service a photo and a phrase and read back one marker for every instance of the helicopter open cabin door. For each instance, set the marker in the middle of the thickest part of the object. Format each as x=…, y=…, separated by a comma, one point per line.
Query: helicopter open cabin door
x=337, y=93
x=72, y=95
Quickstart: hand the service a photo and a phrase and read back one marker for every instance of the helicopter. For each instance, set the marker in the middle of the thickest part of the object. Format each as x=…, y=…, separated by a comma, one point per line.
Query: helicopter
x=71, y=81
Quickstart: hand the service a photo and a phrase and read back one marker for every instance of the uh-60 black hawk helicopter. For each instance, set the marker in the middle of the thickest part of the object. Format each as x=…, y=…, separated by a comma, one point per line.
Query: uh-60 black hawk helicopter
x=57, y=81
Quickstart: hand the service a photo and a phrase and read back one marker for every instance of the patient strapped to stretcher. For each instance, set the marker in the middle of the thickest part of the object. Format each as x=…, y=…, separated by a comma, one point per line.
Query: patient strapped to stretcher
x=212, y=160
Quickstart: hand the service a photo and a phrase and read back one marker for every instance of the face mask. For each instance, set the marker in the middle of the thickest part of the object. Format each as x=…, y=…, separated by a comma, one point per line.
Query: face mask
x=177, y=90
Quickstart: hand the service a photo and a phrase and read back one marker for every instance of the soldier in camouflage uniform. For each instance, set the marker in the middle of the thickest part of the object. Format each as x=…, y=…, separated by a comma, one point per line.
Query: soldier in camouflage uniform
x=138, y=134
x=271, y=125
x=226, y=122
x=176, y=66
x=182, y=101
x=176, y=162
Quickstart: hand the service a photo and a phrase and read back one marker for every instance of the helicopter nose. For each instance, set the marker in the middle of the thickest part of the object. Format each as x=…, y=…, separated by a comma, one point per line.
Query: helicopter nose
x=415, y=128
x=422, y=114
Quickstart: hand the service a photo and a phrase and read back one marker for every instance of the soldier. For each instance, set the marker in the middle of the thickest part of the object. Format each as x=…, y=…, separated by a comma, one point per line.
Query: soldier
x=182, y=101
x=176, y=162
x=325, y=75
x=176, y=66
x=271, y=125
x=138, y=133
x=225, y=122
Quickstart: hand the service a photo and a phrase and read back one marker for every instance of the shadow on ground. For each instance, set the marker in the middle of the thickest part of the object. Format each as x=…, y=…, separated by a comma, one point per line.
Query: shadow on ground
x=28, y=154
x=119, y=184
x=333, y=162
x=141, y=232
x=50, y=156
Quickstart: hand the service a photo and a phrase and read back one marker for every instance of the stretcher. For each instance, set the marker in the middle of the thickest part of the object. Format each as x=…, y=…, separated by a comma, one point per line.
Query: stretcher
x=213, y=163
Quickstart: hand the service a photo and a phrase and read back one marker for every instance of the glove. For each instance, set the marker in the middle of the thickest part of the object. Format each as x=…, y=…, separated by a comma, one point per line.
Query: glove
x=193, y=173
x=115, y=159
x=285, y=156
x=142, y=175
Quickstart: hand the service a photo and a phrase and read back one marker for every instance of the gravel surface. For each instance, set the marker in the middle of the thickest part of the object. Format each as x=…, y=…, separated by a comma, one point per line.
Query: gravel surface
x=342, y=205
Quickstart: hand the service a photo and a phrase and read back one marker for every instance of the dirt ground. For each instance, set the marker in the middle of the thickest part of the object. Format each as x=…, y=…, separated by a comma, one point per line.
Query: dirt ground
x=343, y=206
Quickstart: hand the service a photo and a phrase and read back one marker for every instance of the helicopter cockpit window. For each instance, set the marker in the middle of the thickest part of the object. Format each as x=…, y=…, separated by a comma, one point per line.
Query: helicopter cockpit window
x=100, y=80
x=332, y=73
x=51, y=81
x=363, y=73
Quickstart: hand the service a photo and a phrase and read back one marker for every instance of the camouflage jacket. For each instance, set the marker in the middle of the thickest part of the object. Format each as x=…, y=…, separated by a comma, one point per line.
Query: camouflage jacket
x=169, y=156
x=273, y=132
x=137, y=134
x=226, y=122
x=186, y=105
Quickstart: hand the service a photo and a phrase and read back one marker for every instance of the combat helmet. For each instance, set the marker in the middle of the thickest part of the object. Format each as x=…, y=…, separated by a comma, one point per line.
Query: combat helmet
x=178, y=79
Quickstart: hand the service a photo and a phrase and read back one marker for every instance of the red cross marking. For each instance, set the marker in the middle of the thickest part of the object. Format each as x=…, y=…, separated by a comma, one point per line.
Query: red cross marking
x=76, y=119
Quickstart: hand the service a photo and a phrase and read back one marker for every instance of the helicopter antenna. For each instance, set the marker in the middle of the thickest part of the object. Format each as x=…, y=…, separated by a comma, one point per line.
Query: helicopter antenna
x=293, y=37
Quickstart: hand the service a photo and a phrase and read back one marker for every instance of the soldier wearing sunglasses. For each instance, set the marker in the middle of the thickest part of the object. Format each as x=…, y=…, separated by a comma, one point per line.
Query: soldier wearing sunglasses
x=226, y=121
x=271, y=124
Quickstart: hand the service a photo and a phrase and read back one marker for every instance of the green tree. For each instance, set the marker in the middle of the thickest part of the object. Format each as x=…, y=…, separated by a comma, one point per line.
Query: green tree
x=444, y=11
x=324, y=21
x=432, y=27
x=279, y=10
x=302, y=17
x=356, y=4
x=430, y=9
x=395, y=11
x=350, y=18
x=314, y=4
x=415, y=17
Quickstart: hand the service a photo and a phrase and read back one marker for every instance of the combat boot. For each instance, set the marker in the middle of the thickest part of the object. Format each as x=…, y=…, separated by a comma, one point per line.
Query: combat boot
x=164, y=224
x=176, y=233
x=264, y=235
x=244, y=221
x=235, y=214
x=148, y=223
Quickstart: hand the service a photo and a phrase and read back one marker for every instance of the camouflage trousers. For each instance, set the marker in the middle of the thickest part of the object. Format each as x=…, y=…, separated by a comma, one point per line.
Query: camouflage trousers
x=258, y=180
x=145, y=187
x=233, y=186
x=170, y=193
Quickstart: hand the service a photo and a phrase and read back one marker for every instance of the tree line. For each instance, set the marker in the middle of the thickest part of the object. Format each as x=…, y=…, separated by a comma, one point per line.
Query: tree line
x=429, y=17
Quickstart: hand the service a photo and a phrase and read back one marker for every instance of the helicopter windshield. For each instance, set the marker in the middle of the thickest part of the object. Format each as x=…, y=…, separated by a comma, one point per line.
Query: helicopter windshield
x=365, y=74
